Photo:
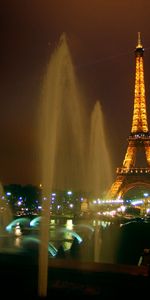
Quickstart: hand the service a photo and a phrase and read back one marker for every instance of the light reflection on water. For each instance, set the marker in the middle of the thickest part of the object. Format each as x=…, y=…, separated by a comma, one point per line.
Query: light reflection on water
x=98, y=240
x=61, y=233
x=64, y=234
x=17, y=242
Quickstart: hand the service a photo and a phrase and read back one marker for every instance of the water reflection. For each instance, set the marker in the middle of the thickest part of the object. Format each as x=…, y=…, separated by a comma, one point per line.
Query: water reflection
x=89, y=240
x=23, y=233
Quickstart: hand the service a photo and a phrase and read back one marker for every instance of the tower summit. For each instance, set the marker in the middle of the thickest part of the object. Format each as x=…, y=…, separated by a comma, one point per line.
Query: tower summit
x=139, y=123
x=129, y=176
x=139, y=45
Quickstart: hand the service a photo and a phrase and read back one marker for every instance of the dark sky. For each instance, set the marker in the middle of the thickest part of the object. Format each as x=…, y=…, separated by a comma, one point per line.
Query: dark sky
x=102, y=36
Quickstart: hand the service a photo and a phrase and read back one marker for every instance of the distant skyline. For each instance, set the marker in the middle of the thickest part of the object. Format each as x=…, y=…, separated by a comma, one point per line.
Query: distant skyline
x=102, y=37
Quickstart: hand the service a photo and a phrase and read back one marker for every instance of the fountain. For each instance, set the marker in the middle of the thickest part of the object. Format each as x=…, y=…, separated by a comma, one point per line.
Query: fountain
x=63, y=136
x=99, y=164
x=5, y=219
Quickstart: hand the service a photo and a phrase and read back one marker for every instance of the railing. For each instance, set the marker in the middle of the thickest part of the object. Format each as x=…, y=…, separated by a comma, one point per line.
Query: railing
x=133, y=171
x=139, y=137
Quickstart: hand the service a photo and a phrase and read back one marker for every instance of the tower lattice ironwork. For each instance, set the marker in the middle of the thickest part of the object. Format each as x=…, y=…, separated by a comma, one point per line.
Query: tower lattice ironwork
x=129, y=176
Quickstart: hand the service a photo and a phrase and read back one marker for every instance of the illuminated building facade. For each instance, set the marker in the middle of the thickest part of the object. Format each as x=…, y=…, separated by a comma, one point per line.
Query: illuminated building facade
x=129, y=176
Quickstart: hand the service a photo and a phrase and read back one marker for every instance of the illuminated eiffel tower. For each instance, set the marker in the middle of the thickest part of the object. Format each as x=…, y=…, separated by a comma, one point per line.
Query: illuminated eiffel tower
x=129, y=176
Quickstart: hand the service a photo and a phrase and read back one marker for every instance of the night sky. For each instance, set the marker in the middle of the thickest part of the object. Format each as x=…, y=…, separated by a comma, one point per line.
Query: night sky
x=102, y=36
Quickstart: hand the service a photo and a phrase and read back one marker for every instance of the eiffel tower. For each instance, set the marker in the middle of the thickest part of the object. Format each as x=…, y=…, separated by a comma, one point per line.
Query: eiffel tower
x=130, y=176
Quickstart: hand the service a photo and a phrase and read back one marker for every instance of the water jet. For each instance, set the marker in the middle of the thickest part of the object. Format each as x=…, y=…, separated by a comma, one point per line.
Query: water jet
x=71, y=155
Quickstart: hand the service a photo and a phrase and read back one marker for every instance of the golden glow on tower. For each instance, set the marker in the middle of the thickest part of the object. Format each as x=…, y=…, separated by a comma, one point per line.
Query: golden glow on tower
x=139, y=139
x=139, y=123
x=129, y=160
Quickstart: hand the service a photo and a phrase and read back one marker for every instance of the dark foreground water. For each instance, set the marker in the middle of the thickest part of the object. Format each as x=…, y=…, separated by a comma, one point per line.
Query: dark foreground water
x=19, y=279
x=73, y=271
